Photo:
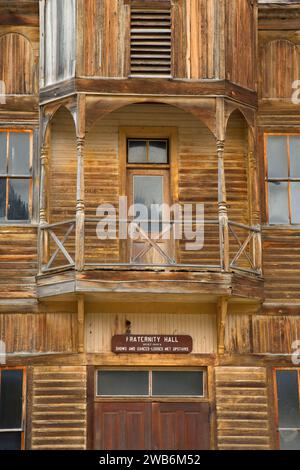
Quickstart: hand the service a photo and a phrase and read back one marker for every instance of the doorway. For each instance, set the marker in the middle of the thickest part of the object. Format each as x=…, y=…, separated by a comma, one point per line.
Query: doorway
x=151, y=410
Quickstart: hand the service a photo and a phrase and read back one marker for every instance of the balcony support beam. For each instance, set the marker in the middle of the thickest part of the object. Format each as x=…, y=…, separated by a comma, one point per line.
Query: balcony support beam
x=80, y=323
x=221, y=323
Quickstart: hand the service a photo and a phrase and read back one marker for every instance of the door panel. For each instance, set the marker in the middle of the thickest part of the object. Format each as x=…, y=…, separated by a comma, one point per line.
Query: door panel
x=122, y=426
x=180, y=426
x=151, y=189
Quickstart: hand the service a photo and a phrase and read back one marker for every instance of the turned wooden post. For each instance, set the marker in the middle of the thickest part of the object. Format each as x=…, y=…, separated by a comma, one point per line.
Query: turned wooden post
x=255, y=204
x=222, y=202
x=43, y=215
x=80, y=206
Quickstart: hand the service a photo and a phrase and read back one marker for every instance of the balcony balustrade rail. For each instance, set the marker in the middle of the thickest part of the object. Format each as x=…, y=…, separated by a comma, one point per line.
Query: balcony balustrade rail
x=226, y=247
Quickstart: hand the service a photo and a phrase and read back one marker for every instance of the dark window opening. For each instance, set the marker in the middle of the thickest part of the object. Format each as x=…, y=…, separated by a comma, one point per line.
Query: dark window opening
x=288, y=406
x=15, y=175
x=154, y=383
x=11, y=409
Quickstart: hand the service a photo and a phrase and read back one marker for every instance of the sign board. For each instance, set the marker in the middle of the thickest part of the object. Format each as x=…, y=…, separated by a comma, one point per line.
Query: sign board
x=152, y=344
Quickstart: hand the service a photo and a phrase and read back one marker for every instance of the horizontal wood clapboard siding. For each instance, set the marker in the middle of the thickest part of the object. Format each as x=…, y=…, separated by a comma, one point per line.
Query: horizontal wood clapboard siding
x=63, y=167
x=101, y=327
x=58, y=419
x=38, y=333
x=242, y=409
x=281, y=259
x=18, y=262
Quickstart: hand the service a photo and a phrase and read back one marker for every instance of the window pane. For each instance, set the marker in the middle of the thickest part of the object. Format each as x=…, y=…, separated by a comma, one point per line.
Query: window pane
x=148, y=191
x=19, y=153
x=278, y=203
x=10, y=441
x=295, y=156
x=18, y=208
x=11, y=399
x=158, y=151
x=290, y=440
x=277, y=157
x=177, y=384
x=295, y=193
x=2, y=197
x=123, y=383
x=288, y=399
x=3, y=150
x=137, y=151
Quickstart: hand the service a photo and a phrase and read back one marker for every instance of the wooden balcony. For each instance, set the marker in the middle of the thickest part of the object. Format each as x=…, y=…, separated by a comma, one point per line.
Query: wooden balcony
x=228, y=264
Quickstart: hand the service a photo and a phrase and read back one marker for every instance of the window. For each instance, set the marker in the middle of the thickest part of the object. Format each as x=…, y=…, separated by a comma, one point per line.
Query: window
x=15, y=175
x=150, y=42
x=11, y=409
x=148, y=151
x=288, y=409
x=283, y=178
x=156, y=383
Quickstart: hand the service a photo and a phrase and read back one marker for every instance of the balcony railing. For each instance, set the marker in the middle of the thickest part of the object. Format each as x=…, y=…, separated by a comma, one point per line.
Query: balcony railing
x=229, y=247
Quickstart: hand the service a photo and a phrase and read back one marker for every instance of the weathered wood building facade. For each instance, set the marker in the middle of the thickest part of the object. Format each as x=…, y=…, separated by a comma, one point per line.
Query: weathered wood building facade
x=179, y=102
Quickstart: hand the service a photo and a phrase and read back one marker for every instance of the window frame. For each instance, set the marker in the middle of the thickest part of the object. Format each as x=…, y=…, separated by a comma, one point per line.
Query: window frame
x=275, y=370
x=287, y=180
x=7, y=176
x=150, y=397
x=148, y=164
x=22, y=430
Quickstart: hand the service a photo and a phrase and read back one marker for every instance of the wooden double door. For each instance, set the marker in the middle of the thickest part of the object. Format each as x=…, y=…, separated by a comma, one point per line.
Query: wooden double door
x=151, y=426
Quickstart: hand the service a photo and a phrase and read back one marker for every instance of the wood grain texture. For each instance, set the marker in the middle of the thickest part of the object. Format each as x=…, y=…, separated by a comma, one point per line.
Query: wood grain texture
x=99, y=328
x=242, y=408
x=38, y=333
x=58, y=417
x=17, y=69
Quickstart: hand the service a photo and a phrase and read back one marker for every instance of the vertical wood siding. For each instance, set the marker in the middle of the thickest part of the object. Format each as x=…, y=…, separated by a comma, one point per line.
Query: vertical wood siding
x=17, y=68
x=195, y=38
x=279, y=68
x=58, y=418
x=238, y=334
x=39, y=333
x=106, y=38
x=241, y=42
x=101, y=327
x=275, y=335
x=242, y=408
x=60, y=40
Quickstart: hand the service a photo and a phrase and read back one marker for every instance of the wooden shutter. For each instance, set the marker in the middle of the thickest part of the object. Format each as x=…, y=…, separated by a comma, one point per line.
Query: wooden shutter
x=150, y=51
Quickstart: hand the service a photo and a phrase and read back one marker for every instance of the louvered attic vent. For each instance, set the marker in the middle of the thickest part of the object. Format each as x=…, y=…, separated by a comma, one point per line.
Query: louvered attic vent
x=150, y=51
